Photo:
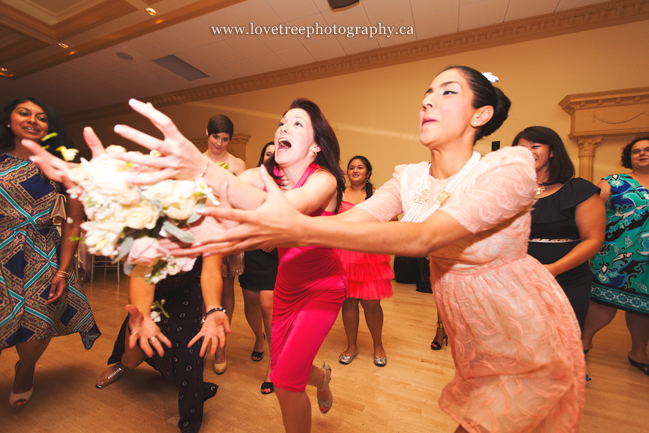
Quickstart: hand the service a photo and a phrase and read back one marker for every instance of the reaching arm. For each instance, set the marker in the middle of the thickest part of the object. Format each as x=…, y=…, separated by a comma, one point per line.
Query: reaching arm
x=277, y=223
x=500, y=190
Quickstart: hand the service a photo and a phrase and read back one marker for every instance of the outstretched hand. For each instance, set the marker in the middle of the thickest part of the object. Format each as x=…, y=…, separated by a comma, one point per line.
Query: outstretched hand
x=179, y=158
x=276, y=223
x=214, y=330
x=146, y=331
x=57, y=169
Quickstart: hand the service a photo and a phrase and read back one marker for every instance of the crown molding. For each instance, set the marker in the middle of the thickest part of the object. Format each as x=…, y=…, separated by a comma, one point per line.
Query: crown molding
x=611, y=13
x=609, y=98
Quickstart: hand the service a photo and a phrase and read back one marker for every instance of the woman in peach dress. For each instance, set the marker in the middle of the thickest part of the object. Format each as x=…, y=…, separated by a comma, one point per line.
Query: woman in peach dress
x=514, y=337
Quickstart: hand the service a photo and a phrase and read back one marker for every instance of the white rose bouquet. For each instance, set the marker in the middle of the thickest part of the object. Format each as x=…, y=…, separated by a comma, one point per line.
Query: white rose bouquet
x=127, y=221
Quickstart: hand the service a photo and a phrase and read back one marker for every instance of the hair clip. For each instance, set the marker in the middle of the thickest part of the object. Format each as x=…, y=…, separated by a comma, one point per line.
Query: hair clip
x=491, y=77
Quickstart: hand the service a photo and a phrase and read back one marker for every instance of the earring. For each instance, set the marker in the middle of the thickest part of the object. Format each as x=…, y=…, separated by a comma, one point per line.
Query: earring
x=9, y=126
x=367, y=180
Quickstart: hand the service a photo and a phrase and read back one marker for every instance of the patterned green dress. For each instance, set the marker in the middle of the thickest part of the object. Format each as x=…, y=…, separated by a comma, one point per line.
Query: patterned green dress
x=621, y=269
x=29, y=255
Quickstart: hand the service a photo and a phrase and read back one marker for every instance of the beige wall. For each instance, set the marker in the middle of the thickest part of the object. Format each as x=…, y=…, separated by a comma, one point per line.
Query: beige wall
x=375, y=112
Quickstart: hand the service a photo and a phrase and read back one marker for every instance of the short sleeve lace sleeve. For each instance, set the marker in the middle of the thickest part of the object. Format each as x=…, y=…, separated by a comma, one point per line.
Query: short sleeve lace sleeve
x=503, y=185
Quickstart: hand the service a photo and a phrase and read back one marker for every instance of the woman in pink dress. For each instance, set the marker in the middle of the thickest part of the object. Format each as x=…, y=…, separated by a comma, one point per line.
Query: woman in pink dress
x=513, y=335
x=368, y=275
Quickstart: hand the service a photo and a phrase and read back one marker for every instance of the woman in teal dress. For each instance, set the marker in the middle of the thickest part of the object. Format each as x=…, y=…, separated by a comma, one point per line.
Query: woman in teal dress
x=40, y=292
x=621, y=269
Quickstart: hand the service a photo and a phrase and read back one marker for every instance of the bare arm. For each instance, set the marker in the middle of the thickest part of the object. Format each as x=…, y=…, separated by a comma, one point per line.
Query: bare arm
x=216, y=325
x=276, y=223
x=590, y=217
x=68, y=247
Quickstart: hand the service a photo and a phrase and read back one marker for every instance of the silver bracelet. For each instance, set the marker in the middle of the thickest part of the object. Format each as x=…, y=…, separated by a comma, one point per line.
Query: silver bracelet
x=213, y=310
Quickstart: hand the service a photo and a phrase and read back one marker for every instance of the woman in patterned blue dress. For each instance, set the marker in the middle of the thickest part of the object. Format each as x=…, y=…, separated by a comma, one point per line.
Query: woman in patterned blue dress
x=621, y=270
x=40, y=292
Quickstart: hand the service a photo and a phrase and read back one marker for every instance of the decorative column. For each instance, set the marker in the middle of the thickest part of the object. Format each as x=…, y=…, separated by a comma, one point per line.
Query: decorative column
x=587, y=147
x=594, y=116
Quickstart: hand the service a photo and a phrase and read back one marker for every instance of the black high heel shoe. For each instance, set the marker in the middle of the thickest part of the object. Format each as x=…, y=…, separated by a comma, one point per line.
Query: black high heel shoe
x=639, y=365
x=438, y=346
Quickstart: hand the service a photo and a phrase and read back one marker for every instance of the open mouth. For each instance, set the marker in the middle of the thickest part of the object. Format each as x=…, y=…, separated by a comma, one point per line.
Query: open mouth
x=283, y=143
x=31, y=129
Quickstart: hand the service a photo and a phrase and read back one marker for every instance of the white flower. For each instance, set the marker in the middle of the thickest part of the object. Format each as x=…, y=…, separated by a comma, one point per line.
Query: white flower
x=68, y=154
x=102, y=237
x=142, y=215
x=177, y=197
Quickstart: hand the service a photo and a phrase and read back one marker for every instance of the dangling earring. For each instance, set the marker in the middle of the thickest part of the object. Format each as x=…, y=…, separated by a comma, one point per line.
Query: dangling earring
x=367, y=180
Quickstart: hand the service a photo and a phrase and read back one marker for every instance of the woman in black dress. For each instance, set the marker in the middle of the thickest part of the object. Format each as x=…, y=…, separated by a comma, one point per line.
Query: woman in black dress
x=568, y=218
x=257, y=284
x=179, y=300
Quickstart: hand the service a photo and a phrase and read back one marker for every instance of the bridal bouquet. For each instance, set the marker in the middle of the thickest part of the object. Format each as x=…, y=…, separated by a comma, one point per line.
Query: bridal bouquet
x=127, y=221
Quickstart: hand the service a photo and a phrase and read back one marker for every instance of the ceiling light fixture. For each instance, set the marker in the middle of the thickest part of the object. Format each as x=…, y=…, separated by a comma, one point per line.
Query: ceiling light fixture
x=150, y=11
x=124, y=56
x=62, y=45
x=4, y=70
x=339, y=4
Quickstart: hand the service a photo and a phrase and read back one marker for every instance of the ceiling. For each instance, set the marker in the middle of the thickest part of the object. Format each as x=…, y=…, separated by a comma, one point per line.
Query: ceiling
x=89, y=73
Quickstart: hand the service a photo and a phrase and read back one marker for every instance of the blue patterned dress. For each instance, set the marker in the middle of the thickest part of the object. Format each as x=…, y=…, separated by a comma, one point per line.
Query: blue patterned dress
x=621, y=269
x=29, y=255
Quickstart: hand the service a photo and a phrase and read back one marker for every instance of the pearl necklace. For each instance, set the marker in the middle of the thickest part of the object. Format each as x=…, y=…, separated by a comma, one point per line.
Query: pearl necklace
x=421, y=196
x=541, y=189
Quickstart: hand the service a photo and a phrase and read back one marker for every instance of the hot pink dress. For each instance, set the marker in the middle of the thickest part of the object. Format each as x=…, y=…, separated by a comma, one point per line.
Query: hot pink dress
x=514, y=336
x=309, y=292
x=368, y=275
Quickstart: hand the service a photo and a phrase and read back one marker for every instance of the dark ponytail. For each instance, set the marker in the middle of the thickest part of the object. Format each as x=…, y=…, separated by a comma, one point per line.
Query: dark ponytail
x=484, y=93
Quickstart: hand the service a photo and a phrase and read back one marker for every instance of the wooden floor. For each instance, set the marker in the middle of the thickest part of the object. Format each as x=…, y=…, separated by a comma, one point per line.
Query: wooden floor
x=402, y=397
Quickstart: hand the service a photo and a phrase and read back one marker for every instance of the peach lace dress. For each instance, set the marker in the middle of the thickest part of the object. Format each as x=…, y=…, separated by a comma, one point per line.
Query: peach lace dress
x=514, y=336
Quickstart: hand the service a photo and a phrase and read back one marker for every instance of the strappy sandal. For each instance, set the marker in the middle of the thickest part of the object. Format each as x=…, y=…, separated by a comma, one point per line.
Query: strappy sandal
x=267, y=388
x=639, y=365
x=325, y=405
x=258, y=356
x=437, y=345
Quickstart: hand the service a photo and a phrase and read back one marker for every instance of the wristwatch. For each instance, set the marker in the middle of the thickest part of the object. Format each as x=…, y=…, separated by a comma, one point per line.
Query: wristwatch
x=213, y=310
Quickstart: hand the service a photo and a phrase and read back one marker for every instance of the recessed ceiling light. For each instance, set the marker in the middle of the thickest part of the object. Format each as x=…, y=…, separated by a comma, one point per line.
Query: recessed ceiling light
x=62, y=45
x=150, y=11
x=124, y=56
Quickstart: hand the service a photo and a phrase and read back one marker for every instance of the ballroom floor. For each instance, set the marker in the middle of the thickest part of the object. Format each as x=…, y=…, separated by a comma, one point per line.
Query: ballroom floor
x=402, y=397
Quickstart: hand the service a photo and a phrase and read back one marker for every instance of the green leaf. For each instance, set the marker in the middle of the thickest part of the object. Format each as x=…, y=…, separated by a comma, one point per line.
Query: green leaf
x=48, y=136
x=195, y=216
x=179, y=234
x=124, y=248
